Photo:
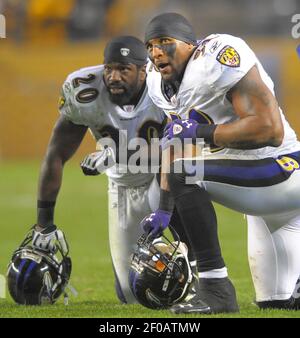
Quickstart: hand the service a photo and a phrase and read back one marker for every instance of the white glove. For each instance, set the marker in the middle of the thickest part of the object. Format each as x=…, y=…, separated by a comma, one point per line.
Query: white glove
x=96, y=163
x=50, y=240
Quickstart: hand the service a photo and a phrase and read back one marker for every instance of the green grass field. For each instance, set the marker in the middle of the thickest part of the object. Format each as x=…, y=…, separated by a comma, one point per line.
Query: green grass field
x=82, y=212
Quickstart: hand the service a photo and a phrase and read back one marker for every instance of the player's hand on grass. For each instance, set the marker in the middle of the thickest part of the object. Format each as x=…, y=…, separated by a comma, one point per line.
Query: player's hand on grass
x=96, y=163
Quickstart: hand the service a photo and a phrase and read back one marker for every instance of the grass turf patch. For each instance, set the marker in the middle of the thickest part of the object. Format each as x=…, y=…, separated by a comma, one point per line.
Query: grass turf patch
x=81, y=212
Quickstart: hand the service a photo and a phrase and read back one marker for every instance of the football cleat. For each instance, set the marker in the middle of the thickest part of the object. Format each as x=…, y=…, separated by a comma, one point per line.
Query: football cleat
x=194, y=305
x=293, y=303
x=282, y=304
x=213, y=295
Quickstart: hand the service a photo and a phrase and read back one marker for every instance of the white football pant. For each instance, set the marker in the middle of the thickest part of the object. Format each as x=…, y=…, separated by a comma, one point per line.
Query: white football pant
x=127, y=207
x=273, y=215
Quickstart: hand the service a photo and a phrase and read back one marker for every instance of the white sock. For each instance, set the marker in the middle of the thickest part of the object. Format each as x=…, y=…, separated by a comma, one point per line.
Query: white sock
x=215, y=273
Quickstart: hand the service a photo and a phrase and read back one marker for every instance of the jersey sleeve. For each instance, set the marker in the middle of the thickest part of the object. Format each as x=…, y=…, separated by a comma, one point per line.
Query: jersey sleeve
x=67, y=105
x=228, y=60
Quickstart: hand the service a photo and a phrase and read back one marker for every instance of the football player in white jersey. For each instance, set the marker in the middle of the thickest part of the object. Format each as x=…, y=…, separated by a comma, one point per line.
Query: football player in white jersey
x=106, y=99
x=216, y=90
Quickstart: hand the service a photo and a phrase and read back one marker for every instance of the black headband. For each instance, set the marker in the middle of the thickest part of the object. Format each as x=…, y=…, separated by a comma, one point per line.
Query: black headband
x=171, y=25
x=125, y=49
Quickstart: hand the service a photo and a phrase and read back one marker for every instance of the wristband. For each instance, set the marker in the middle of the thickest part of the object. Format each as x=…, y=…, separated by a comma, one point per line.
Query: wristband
x=45, y=213
x=45, y=204
x=206, y=131
x=166, y=202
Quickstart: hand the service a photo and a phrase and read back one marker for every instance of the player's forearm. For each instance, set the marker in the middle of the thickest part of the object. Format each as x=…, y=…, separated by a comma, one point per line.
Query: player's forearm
x=166, y=160
x=166, y=202
x=65, y=140
x=247, y=133
x=49, y=186
x=50, y=178
x=166, y=199
x=164, y=185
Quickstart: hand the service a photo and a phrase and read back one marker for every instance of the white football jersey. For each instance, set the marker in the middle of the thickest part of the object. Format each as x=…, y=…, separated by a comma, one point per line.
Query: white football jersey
x=85, y=101
x=218, y=63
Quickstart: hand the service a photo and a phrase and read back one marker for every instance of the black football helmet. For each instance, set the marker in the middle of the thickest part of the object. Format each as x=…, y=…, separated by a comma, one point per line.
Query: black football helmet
x=35, y=277
x=160, y=273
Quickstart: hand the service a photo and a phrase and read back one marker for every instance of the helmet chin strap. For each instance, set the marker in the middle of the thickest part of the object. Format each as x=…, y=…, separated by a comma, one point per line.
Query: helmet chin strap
x=73, y=291
x=183, y=249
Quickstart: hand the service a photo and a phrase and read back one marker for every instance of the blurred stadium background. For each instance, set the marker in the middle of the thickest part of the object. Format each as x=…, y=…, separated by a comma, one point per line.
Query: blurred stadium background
x=48, y=39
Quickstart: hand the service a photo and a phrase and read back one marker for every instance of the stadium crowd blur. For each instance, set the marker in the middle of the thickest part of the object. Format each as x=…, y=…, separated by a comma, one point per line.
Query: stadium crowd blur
x=90, y=19
x=55, y=37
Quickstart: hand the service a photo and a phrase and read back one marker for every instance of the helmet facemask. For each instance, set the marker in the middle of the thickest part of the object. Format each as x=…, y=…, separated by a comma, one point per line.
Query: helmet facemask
x=160, y=273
